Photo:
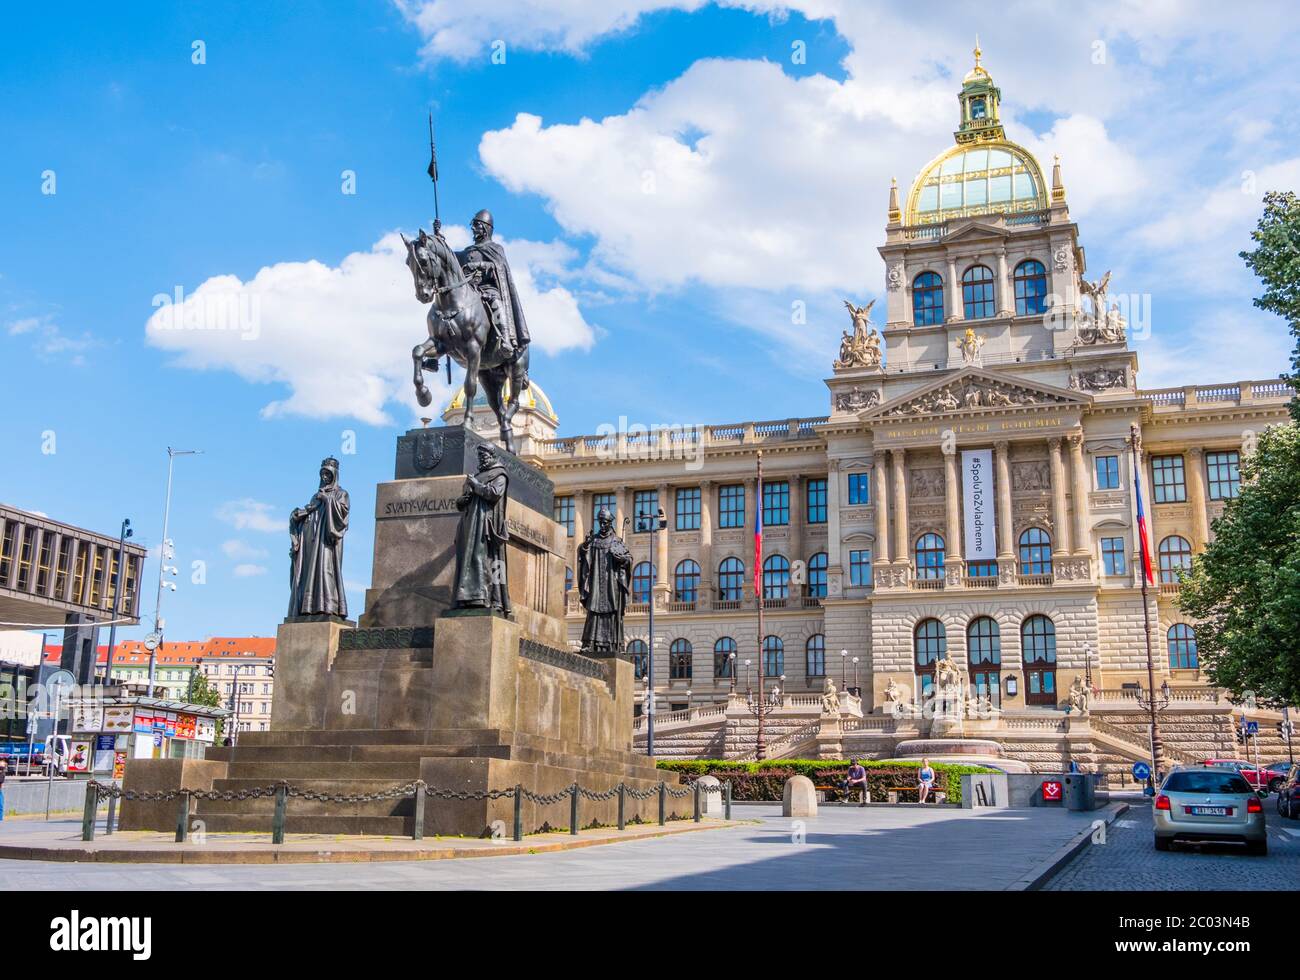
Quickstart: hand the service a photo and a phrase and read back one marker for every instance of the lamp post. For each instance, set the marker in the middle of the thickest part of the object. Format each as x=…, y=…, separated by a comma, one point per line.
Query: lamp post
x=844, y=668
x=731, y=669
x=165, y=552
x=1157, y=748
x=747, y=687
x=653, y=524
x=118, y=589
x=855, y=674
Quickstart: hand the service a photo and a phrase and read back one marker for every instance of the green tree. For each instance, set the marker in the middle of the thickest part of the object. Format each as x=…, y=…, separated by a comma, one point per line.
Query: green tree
x=205, y=693
x=1276, y=260
x=1245, y=588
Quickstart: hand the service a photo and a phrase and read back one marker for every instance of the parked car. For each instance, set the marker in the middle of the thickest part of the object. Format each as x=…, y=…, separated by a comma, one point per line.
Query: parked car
x=1256, y=776
x=1288, y=794
x=1199, y=804
x=1276, y=775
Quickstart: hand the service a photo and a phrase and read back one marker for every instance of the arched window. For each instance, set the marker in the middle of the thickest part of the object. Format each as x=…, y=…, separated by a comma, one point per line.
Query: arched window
x=984, y=654
x=568, y=578
x=776, y=577
x=814, y=656
x=930, y=642
x=817, y=566
x=686, y=581
x=977, y=292
x=679, y=660
x=1031, y=288
x=773, y=656
x=1175, y=558
x=927, y=299
x=724, y=654
x=643, y=580
x=1038, y=650
x=1182, y=647
x=1035, y=552
x=638, y=653
x=731, y=579
x=929, y=556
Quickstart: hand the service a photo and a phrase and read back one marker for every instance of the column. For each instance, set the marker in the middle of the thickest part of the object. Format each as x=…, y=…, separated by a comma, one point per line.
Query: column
x=901, y=549
x=1060, y=524
x=1195, y=467
x=1079, y=489
x=661, y=545
x=833, y=558
x=1006, y=303
x=880, y=493
x=581, y=507
x=952, y=525
x=33, y=579
x=751, y=511
x=708, y=570
x=955, y=310
x=1006, y=552
x=56, y=543
x=797, y=516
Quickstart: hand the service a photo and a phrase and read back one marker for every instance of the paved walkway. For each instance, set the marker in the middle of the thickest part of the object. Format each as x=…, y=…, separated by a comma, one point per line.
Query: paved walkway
x=904, y=847
x=1128, y=861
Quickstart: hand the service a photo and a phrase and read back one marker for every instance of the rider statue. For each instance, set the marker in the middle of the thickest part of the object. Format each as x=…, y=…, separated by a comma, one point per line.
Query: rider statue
x=484, y=264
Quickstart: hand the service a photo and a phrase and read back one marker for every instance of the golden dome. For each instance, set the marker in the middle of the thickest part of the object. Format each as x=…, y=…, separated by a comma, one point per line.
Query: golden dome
x=534, y=397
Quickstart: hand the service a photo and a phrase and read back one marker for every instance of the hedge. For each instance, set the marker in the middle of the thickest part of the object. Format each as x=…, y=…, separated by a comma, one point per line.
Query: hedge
x=766, y=780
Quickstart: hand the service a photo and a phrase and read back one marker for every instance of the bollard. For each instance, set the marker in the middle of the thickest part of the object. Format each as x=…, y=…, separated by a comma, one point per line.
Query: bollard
x=417, y=832
x=88, y=815
x=112, y=812
x=663, y=802
x=622, y=806
x=277, y=822
x=519, y=811
x=573, y=809
x=183, y=818
x=697, y=801
x=726, y=800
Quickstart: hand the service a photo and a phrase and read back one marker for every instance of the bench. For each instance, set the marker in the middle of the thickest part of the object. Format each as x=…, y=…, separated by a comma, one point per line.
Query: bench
x=936, y=795
x=863, y=796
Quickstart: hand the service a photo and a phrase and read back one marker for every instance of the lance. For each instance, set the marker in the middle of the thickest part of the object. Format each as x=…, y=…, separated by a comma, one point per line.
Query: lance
x=433, y=171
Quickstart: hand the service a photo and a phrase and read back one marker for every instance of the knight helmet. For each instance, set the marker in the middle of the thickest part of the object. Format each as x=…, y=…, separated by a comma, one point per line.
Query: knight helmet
x=484, y=216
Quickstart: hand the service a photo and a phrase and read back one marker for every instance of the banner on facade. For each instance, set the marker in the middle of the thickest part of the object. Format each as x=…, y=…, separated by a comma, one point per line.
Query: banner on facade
x=977, y=492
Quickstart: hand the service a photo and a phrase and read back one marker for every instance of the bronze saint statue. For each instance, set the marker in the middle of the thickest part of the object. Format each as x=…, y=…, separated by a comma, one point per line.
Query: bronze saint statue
x=480, y=581
x=316, y=532
x=604, y=575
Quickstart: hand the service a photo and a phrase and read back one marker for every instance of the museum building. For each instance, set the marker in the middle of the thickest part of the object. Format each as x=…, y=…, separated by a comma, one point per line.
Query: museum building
x=969, y=494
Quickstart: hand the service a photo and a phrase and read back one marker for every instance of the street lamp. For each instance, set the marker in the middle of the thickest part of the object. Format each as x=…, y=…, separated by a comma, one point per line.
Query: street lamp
x=165, y=551
x=653, y=524
x=731, y=669
x=844, y=668
x=855, y=674
x=747, y=678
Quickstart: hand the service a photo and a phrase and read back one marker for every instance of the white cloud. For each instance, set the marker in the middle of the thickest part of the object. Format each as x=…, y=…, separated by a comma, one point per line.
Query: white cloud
x=249, y=571
x=248, y=514
x=238, y=550
x=338, y=337
x=1247, y=345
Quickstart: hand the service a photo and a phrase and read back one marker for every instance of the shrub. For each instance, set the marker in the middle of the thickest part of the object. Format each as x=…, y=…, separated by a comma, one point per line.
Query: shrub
x=766, y=780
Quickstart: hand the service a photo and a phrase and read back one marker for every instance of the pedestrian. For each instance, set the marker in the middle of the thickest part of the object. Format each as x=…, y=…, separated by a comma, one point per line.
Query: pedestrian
x=4, y=771
x=858, y=778
x=925, y=779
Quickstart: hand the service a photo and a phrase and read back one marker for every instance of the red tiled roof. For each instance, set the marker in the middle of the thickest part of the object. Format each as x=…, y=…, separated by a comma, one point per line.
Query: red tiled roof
x=180, y=652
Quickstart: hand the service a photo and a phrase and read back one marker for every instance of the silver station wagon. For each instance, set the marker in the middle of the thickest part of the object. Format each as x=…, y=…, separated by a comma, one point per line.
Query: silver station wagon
x=1206, y=803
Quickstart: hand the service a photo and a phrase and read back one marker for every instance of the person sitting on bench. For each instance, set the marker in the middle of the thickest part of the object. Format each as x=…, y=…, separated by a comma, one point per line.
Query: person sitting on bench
x=858, y=778
x=925, y=779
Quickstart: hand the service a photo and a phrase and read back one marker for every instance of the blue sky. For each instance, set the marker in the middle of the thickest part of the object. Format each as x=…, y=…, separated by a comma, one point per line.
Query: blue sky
x=668, y=175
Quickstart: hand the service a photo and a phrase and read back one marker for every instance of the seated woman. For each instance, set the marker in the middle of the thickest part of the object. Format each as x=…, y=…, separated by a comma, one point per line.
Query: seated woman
x=926, y=780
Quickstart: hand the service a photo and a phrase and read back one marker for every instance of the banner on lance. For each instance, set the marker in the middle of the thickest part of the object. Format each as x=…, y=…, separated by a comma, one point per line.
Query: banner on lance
x=977, y=493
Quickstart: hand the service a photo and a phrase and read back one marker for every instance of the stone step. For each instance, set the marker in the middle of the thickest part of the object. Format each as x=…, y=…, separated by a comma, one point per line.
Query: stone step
x=296, y=771
x=353, y=753
x=307, y=823
x=396, y=806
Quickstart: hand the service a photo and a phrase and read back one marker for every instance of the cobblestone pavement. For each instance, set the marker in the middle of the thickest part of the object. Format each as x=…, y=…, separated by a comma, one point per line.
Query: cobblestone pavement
x=1129, y=862
x=896, y=848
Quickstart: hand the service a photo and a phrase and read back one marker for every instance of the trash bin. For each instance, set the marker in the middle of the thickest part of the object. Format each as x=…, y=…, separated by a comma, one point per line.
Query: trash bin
x=1080, y=791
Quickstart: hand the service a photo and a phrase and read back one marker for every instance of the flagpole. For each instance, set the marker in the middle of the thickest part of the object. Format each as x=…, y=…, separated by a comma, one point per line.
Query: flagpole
x=760, y=743
x=1157, y=749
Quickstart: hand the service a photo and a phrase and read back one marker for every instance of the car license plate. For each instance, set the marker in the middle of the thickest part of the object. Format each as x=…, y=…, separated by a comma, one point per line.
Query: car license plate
x=1211, y=811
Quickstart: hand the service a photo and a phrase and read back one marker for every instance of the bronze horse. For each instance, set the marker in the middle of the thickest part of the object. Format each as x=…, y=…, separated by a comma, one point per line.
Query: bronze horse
x=460, y=328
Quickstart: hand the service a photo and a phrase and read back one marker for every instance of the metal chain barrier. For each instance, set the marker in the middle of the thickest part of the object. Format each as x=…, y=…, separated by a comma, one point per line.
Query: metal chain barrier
x=419, y=789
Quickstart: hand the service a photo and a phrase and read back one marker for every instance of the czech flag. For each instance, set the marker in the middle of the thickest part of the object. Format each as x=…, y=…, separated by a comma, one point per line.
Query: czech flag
x=758, y=542
x=1143, y=537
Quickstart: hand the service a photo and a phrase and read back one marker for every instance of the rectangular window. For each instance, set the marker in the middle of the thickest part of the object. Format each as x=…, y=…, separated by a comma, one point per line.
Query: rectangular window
x=816, y=501
x=1107, y=472
x=1224, y=471
x=604, y=501
x=731, y=505
x=1112, y=556
x=645, y=504
x=776, y=503
x=859, y=488
x=564, y=514
x=1167, y=482
x=859, y=568
x=688, y=509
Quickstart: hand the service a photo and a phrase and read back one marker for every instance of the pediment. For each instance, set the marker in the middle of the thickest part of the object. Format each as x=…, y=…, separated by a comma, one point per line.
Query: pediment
x=974, y=390
x=973, y=229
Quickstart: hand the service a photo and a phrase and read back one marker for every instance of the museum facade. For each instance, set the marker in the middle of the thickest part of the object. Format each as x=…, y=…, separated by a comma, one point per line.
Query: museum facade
x=969, y=494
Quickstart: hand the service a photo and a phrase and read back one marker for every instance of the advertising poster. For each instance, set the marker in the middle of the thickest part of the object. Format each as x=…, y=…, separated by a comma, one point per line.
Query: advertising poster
x=104, y=752
x=977, y=494
x=169, y=729
x=118, y=718
x=205, y=729
x=79, y=756
x=185, y=726
x=87, y=716
x=143, y=722
x=119, y=765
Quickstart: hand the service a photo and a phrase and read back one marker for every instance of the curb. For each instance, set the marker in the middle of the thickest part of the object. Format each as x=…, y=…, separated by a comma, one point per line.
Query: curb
x=1036, y=877
x=79, y=853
